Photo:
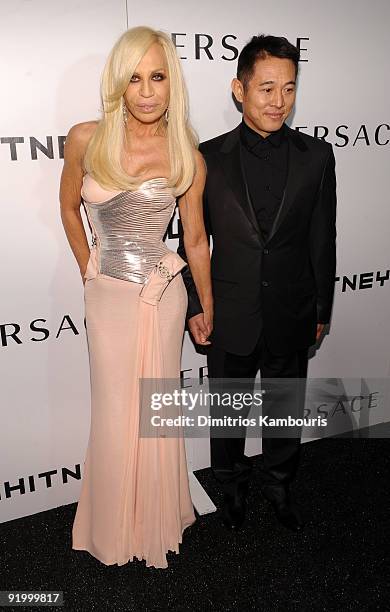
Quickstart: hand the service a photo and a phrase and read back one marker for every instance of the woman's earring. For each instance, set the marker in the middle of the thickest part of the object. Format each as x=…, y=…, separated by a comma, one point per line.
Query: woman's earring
x=124, y=111
x=167, y=115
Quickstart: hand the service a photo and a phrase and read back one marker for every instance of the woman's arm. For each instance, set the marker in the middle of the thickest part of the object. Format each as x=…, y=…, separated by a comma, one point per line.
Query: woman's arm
x=70, y=191
x=196, y=244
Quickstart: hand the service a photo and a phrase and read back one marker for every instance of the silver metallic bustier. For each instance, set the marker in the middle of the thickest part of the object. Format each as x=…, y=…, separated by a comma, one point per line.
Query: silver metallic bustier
x=129, y=229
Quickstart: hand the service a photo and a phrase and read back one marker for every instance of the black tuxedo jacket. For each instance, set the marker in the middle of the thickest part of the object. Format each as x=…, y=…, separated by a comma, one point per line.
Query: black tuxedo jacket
x=284, y=285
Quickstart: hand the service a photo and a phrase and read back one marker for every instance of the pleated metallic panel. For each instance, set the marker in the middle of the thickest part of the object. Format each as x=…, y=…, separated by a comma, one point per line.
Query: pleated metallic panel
x=129, y=229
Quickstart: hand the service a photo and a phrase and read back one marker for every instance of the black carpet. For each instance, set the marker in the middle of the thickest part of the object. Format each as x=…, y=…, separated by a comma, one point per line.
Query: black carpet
x=340, y=562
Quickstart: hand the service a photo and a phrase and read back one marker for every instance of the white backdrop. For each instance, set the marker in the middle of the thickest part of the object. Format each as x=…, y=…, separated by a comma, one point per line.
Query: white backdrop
x=51, y=58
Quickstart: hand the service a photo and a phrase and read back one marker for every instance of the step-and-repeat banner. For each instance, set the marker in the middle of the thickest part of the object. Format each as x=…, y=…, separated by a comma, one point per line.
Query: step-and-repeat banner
x=51, y=57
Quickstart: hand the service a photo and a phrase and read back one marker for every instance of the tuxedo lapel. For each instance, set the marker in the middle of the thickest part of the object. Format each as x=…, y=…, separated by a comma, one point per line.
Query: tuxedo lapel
x=232, y=166
x=295, y=168
x=231, y=163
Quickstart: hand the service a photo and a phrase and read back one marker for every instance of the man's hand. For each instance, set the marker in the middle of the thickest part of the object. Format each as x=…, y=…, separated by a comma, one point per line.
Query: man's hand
x=201, y=326
x=320, y=329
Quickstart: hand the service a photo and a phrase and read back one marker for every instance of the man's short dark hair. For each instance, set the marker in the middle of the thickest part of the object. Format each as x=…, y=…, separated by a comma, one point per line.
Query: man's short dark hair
x=260, y=47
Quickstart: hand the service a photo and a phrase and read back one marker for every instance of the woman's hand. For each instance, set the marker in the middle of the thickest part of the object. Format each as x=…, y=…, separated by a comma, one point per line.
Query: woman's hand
x=201, y=326
x=208, y=316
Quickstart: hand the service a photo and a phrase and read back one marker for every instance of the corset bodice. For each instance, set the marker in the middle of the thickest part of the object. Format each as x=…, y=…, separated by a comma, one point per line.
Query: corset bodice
x=129, y=227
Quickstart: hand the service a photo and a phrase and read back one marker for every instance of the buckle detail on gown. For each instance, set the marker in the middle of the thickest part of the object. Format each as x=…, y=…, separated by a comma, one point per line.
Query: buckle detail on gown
x=163, y=272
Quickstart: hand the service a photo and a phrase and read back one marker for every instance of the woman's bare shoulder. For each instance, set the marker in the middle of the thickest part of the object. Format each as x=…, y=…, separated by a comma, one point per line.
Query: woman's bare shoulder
x=82, y=132
x=200, y=163
x=79, y=136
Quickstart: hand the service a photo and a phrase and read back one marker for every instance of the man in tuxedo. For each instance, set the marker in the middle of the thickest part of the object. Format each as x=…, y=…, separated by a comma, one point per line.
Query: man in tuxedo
x=270, y=207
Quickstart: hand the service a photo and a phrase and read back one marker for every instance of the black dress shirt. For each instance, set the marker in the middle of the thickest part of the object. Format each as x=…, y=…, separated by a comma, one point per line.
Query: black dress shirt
x=264, y=163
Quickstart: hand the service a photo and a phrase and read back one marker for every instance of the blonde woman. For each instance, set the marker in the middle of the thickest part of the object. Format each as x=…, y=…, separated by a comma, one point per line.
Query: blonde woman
x=128, y=169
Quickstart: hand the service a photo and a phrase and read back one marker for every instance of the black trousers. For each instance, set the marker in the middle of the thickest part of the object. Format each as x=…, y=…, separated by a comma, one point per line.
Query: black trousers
x=280, y=454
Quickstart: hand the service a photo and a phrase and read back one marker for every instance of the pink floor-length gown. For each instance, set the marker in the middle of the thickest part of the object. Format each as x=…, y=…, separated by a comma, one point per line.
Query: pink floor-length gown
x=135, y=499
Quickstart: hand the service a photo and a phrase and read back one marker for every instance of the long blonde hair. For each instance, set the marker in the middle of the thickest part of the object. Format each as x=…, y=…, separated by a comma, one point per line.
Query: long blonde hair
x=103, y=156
